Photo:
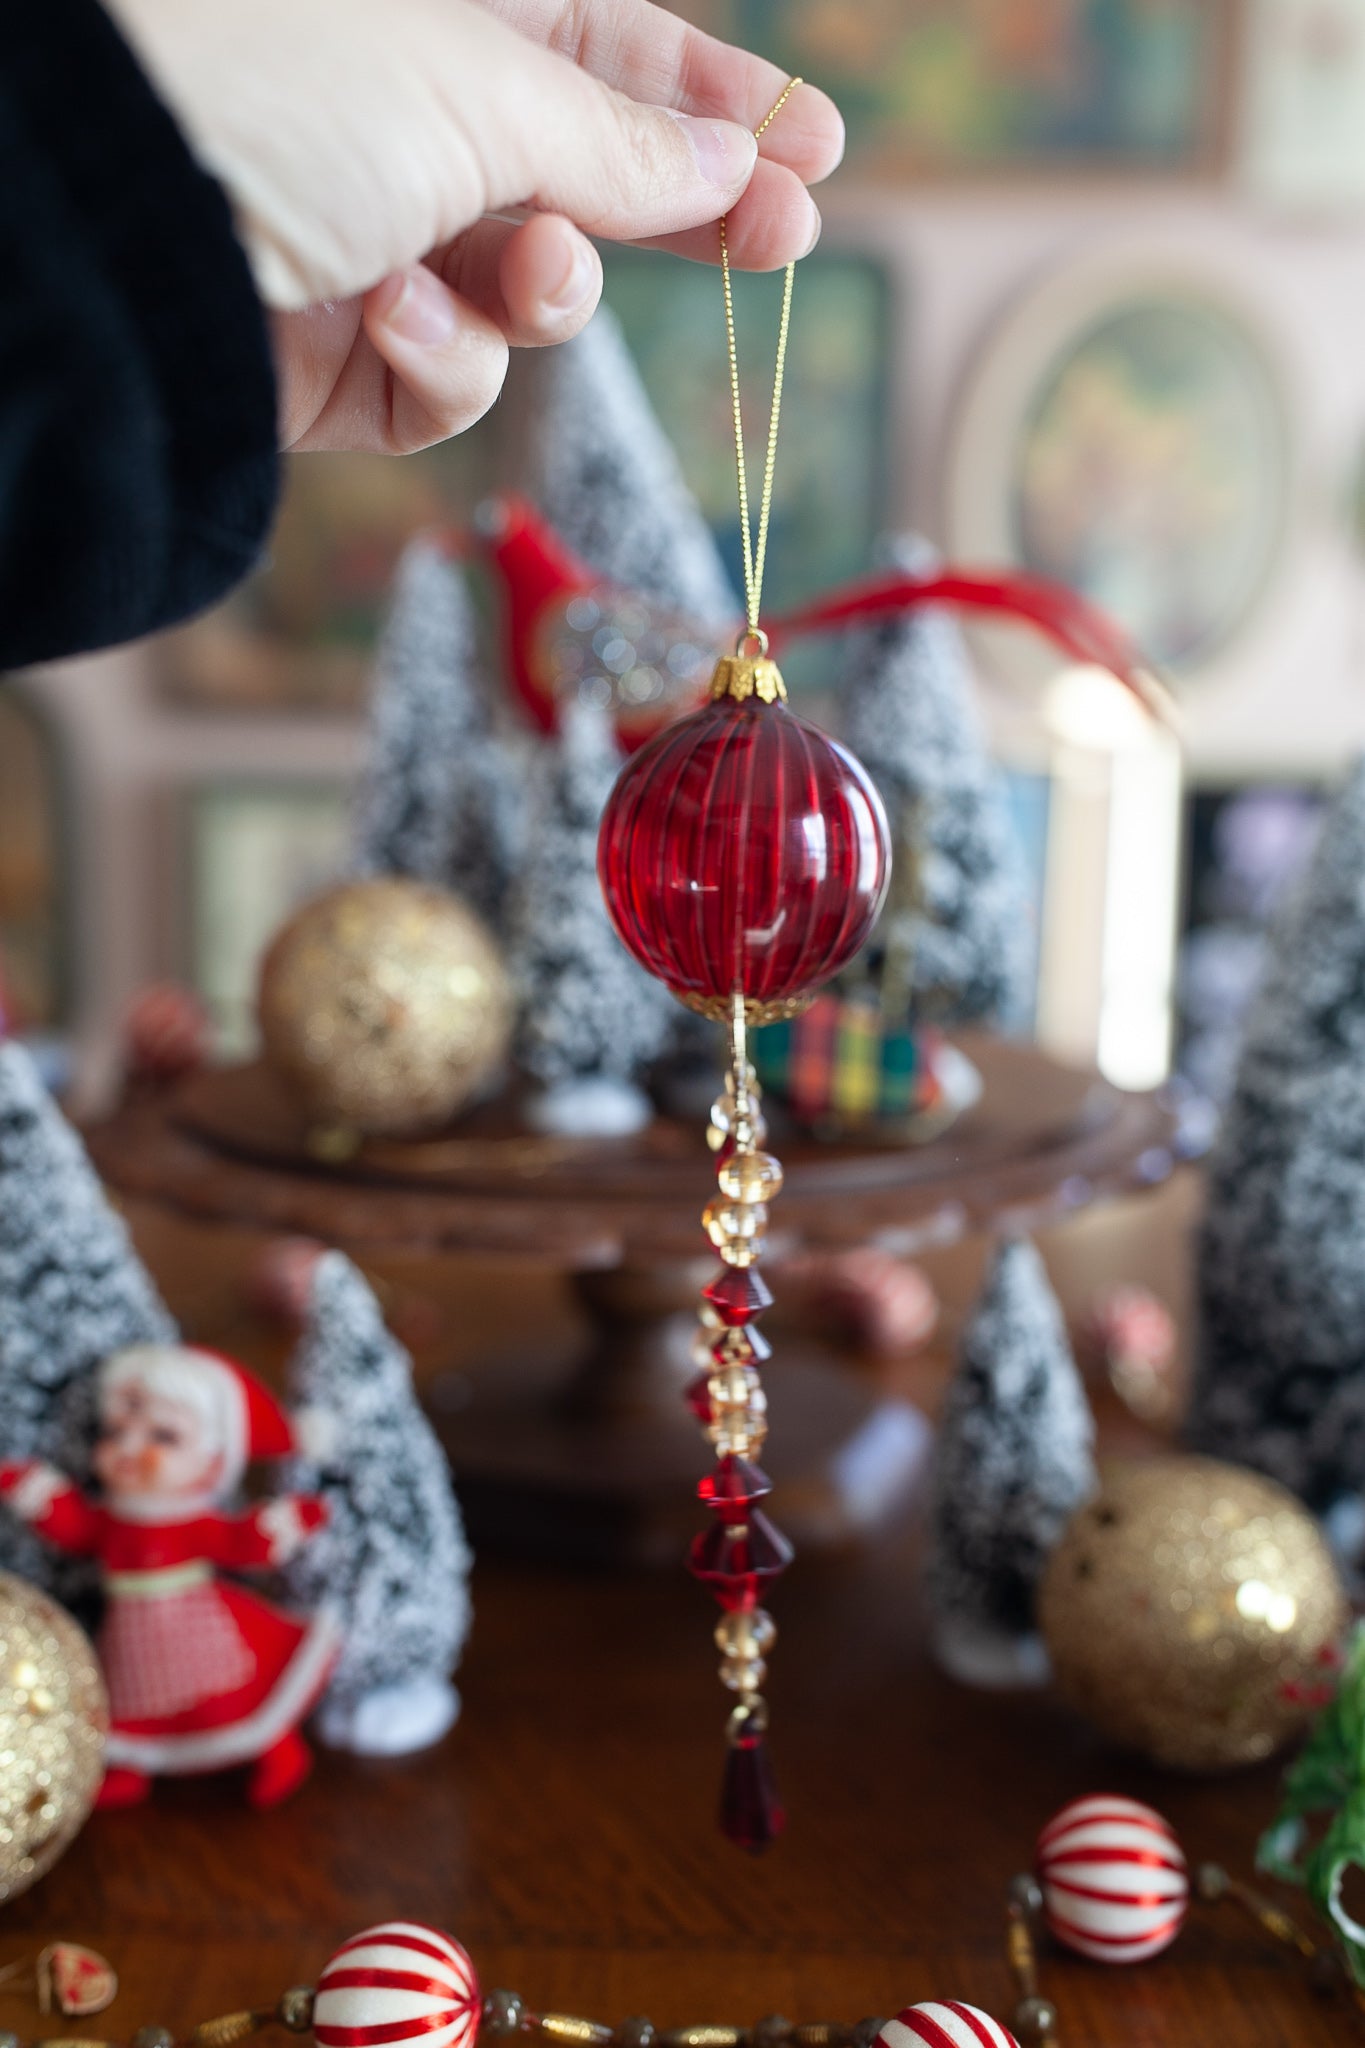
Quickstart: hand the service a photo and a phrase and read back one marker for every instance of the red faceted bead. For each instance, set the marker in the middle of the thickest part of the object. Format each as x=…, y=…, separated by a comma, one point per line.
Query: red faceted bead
x=737, y=1559
x=750, y=1812
x=697, y=1394
x=738, y=1294
x=743, y=851
x=735, y=1484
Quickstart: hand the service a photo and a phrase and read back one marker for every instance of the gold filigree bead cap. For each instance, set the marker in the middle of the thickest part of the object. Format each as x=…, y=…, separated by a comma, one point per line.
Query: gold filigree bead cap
x=749, y=672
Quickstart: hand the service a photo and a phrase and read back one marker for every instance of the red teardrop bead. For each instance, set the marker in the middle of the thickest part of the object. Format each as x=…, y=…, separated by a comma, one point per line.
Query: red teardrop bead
x=750, y=1811
x=738, y=1294
x=743, y=851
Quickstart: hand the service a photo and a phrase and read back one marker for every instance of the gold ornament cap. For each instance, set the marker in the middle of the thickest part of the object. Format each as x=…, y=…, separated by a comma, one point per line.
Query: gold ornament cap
x=745, y=674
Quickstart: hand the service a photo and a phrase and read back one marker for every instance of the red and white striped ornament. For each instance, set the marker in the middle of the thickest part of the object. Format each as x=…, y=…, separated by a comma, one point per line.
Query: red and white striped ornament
x=944, y=2023
x=1115, y=1887
x=398, y=1985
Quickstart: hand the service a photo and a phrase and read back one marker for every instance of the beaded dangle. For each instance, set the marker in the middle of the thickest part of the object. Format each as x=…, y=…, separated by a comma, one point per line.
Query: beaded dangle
x=744, y=857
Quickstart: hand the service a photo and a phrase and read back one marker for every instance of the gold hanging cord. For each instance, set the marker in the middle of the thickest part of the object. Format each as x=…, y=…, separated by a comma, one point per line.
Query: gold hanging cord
x=755, y=553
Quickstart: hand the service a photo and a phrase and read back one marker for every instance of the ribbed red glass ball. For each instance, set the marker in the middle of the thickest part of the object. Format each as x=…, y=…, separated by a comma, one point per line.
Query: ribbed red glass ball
x=743, y=851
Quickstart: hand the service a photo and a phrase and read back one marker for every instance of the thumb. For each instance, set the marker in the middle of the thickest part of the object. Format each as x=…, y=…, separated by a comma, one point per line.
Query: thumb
x=563, y=141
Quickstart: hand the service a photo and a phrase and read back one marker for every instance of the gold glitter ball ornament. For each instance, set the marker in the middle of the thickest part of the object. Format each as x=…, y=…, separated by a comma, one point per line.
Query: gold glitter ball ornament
x=386, y=1005
x=53, y=1721
x=1193, y=1612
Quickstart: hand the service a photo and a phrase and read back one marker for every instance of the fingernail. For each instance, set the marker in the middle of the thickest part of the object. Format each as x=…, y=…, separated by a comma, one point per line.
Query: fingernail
x=420, y=309
x=578, y=282
x=725, y=152
x=817, y=228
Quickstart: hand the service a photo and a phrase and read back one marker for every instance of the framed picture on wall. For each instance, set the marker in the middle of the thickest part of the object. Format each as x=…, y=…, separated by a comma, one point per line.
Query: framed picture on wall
x=256, y=851
x=1301, y=104
x=1129, y=432
x=993, y=86
x=830, y=494
x=1246, y=846
x=298, y=635
x=34, y=884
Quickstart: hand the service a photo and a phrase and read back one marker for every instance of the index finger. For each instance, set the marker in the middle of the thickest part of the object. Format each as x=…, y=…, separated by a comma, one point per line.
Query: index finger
x=650, y=54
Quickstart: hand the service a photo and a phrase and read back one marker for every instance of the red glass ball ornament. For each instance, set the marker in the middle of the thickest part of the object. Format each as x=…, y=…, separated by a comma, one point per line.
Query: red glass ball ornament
x=743, y=851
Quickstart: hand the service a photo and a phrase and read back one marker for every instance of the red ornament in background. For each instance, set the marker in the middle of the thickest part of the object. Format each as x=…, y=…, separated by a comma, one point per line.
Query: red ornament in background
x=742, y=852
x=569, y=633
x=279, y=1280
x=167, y=1033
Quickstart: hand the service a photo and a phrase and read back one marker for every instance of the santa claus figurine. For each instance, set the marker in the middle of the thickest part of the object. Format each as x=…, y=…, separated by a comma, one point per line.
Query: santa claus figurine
x=202, y=1674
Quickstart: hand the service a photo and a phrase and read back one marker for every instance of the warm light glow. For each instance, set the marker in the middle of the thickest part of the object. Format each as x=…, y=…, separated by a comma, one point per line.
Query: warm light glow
x=1087, y=707
x=1108, y=951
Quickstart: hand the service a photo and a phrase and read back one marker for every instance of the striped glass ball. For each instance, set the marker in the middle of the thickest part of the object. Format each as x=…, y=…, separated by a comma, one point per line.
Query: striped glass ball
x=743, y=852
x=398, y=1985
x=1115, y=1887
x=944, y=2023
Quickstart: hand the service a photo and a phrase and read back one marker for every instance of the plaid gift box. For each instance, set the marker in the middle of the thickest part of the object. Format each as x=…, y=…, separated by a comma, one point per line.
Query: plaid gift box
x=841, y=1061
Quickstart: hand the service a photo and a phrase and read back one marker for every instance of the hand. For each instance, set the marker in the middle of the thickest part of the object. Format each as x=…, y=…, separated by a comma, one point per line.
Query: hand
x=366, y=143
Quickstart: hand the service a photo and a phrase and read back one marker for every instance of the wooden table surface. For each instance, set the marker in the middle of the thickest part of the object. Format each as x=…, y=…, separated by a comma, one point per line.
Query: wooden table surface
x=564, y=1830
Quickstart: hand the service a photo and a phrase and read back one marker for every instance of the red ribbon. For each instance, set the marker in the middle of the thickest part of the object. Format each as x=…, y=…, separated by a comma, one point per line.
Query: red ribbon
x=1062, y=615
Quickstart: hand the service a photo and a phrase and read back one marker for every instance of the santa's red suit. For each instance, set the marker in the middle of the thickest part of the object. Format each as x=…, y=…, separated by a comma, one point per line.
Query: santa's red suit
x=201, y=1673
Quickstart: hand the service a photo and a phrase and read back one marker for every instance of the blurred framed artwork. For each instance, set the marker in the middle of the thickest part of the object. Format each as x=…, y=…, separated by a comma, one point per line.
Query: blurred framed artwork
x=980, y=86
x=1301, y=104
x=1129, y=432
x=257, y=850
x=33, y=875
x=1246, y=847
x=298, y=635
x=830, y=494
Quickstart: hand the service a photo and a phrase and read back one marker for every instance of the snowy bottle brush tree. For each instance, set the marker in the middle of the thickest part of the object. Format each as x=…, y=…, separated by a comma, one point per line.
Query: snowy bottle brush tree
x=593, y=457
x=953, y=936
x=72, y=1290
x=441, y=798
x=391, y=1564
x=1013, y=1462
x=590, y=1020
x=1280, y=1382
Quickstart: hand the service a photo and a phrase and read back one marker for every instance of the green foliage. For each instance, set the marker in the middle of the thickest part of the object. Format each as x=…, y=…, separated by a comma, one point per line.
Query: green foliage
x=1327, y=1779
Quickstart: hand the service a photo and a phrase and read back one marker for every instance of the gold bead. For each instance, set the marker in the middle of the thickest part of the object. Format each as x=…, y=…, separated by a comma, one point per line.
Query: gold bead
x=737, y=1386
x=743, y=1674
x=739, y=1408
x=746, y=1635
x=750, y=1717
x=725, y=1221
x=748, y=1131
x=750, y=1177
x=743, y=1251
x=738, y=1439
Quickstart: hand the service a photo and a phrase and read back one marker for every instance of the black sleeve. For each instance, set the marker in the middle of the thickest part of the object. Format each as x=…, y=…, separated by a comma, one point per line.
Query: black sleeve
x=138, y=470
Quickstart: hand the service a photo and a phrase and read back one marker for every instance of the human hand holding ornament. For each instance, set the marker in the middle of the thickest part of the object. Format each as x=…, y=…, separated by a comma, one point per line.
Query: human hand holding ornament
x=202, y=1674
x=372, y=155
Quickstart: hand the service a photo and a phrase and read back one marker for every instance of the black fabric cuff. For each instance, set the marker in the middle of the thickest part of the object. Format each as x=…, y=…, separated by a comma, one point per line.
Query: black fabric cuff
x=138, y=465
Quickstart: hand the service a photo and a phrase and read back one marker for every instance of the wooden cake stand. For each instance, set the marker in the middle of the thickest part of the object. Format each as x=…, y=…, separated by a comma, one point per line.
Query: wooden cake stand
x=597, y=1463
